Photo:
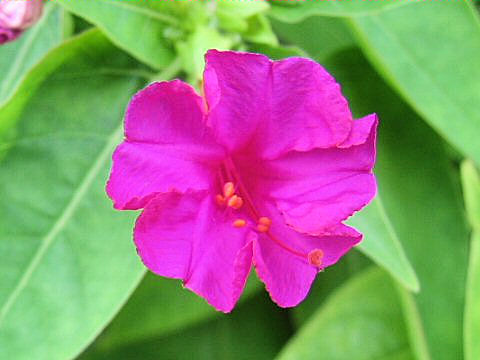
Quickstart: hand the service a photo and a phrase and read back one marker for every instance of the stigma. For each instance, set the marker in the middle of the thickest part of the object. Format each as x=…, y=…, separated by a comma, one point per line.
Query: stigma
x=315, y=257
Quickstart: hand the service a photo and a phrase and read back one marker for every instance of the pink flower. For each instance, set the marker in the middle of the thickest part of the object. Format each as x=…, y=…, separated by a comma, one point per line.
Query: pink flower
x=261, y=171
x=16, y=16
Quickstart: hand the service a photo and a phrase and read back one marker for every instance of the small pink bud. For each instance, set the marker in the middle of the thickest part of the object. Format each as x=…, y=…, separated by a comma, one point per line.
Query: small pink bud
x=16, y=16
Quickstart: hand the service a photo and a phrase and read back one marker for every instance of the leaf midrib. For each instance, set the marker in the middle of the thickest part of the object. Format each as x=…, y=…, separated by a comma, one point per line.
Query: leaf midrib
x=62, y=220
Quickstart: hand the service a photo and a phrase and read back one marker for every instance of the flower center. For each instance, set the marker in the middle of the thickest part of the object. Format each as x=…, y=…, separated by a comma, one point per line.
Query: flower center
x=235, y=195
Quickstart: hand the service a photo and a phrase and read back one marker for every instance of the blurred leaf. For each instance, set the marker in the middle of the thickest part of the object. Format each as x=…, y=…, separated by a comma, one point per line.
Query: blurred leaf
x=361, y=320
x=382, y=245
x=433, y=66
x=66, y=257
x=472, y=302
x=276, y=52
x=255, y=330
x=138, y=27
x=420, y=193
x=233, y=15
x=471, y=192
x=192, y=51
x=260, y=31
x=318, y=36
x=307, y=8
x=160, y=306
x=18, y=57
x=328, y=281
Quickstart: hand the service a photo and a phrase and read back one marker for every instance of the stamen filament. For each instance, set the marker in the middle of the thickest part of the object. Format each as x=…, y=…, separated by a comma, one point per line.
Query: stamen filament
x=263, y=223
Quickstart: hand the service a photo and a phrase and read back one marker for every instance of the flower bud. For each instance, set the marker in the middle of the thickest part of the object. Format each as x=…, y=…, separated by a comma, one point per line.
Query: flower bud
x=16, y=16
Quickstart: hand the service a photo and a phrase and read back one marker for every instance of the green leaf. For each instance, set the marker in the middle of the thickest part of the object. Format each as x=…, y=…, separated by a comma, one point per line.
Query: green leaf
x=18, y=57
x=11, y=109
x=255, y=330
x=420, y=194
x=233, y=15
x=66, y=257
x=361, y=320
x=192, y=51
x=318, y=36
x=414, y=50
x=276, y=52
x=328, y=281
x=471, y=193
x=349, y=8
x=158, y=307
x=260, y=31
x=472, y=302
x=138, y=27
x=382, y=245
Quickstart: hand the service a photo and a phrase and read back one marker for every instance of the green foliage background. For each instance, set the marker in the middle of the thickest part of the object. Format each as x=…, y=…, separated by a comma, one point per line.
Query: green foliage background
x=71, y=284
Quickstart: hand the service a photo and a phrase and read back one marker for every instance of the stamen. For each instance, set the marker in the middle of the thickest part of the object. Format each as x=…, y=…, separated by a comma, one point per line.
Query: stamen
x=315, y=257
x=263, y=228
x=235, y=202
x=239, y=223
x=228, y=189
x=264, y=224
x=220, y=199
x=265, y=221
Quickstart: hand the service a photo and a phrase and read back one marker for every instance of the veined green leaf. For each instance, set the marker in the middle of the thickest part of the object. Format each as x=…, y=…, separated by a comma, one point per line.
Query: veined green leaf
x=138, y=27
x=361, y=320
x=33, y=78
x=66, y=257
x=18, y=57
x=433, y=66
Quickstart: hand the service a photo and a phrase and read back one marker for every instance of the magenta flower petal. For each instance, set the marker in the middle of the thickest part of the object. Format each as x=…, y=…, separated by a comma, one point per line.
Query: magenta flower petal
x=275, y=107
x=167, y=146
x=315, y=190
x=236, y=90
x=280, y=262
x=266, y=175
x=307, y=109
x=186, y=236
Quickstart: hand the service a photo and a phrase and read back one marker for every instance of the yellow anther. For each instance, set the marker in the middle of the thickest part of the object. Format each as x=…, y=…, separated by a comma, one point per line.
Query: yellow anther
x=220, y=199
x=228, y=189
x=235, y=202
x=265, y=221
x=315, y=257
x=239, y=223
x=263, y=228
